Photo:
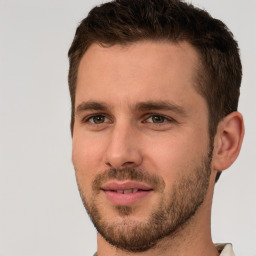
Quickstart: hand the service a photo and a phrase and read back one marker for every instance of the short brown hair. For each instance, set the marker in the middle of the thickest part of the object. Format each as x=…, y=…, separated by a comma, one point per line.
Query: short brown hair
x=127, y=21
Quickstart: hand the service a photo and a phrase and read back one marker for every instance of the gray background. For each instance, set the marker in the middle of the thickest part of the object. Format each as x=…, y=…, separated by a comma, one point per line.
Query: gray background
x=40, y=208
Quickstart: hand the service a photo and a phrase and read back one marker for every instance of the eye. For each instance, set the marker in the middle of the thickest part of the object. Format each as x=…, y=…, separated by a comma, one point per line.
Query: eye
x=157, y=119
x=97, y=119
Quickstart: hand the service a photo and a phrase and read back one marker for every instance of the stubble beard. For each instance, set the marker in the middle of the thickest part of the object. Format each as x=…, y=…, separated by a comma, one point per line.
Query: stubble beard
x=168, y=217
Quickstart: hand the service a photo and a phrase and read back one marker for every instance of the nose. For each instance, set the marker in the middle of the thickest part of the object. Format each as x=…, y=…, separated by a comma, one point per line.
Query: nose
x=123, y=149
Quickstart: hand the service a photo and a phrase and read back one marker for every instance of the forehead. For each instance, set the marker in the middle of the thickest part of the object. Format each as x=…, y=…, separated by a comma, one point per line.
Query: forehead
x=147, y=70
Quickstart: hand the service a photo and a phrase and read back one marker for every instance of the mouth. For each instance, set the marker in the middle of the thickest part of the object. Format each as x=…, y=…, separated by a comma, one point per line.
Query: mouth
x=126, y=193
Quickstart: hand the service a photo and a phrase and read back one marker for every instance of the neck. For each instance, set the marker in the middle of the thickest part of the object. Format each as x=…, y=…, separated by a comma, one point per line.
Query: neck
x=186, y=242
x=193, y=238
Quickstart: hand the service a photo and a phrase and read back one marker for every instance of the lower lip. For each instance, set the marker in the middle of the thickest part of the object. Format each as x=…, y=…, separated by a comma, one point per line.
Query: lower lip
x=126, y=199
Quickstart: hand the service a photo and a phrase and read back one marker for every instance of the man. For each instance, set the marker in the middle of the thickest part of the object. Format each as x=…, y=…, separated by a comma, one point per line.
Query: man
x=154, y=87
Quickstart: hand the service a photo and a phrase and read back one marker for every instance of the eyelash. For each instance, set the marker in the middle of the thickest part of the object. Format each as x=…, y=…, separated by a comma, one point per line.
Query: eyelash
x=148, y=116
x=165, y=119
x=87, y=118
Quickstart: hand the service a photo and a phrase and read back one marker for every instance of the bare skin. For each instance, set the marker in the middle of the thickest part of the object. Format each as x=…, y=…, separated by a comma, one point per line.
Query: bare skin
x=194, y=240
x=114, y=129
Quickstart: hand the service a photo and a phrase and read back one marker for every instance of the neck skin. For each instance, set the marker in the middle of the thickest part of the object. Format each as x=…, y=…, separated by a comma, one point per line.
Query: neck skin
x=194, y=238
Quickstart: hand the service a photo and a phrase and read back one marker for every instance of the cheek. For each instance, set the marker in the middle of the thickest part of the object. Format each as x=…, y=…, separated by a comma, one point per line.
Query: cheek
x=177, y=154
x=87, y=155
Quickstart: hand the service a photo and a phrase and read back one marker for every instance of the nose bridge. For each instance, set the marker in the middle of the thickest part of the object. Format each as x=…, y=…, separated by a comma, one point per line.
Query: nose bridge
x=122, y=149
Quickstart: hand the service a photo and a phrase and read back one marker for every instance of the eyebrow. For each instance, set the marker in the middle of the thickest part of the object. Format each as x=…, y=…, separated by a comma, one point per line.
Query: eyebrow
x=139, y=107
x=91, y=105
x=160, y=105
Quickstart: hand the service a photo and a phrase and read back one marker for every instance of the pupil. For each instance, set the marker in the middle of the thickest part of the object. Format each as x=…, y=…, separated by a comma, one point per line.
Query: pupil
x=98, y=119
x=158, y=119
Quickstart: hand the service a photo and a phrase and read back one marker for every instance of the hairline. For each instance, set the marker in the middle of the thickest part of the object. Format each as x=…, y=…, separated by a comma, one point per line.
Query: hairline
x=199, y=79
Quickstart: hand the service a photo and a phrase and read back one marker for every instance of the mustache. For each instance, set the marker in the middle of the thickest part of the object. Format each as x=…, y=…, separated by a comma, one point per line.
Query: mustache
x=128, y=173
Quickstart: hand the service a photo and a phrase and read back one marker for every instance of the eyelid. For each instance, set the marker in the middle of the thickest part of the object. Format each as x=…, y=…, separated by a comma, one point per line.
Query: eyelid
x=87, y=118
x=167, y=118
x=108, y=119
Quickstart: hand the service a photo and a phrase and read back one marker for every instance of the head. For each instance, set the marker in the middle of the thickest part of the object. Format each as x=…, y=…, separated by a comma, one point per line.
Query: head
x=153, y=28
x=127, y=21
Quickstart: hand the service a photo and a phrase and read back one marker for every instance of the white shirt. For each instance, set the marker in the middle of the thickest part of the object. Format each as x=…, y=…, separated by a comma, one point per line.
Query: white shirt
x=225, y=249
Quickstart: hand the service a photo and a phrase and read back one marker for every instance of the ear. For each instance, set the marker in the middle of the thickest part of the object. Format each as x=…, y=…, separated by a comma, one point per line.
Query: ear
x=228, y=141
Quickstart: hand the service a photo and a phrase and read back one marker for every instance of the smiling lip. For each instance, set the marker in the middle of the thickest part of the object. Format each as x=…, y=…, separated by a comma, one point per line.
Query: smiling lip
x=125, y=193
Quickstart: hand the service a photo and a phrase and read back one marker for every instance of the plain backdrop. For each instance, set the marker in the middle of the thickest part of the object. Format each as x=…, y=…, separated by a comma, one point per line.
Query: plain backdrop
x=40, y=209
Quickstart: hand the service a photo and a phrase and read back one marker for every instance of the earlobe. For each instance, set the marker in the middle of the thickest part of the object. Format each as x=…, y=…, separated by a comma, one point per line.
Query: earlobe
x=228, y=141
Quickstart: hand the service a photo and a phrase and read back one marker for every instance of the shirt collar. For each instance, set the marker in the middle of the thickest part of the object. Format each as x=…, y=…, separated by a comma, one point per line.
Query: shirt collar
x=225, y=249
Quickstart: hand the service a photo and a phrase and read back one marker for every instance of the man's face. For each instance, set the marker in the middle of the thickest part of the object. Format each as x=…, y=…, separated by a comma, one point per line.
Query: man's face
x=140, y=144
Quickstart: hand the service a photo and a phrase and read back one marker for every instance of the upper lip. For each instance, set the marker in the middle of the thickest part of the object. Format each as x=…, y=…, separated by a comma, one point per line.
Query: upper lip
x=124, y=185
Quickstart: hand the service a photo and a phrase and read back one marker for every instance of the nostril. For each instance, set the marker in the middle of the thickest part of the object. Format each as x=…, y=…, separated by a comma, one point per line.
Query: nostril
x=127, y=164
x=109, y=165
x=122, y=157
